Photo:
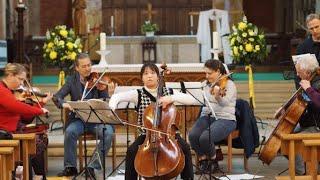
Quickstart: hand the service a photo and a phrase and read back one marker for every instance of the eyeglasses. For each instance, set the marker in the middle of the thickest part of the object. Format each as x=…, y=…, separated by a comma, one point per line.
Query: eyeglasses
x=20, y=78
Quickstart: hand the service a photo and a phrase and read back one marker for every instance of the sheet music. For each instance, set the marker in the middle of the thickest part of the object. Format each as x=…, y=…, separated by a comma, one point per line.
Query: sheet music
x=306, y=57
x=101, y=114
x=192, y=88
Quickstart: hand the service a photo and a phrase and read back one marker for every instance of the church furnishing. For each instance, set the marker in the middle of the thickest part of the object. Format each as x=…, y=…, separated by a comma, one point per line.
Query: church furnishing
x=149, y=51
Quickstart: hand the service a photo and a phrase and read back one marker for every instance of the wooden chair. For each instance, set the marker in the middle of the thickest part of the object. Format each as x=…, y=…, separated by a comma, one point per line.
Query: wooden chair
x=292, y=144
x=234, y=134
x=7, y=160
x=90, y=137
x=28, y=144
x=310, y=154
x=15, y=144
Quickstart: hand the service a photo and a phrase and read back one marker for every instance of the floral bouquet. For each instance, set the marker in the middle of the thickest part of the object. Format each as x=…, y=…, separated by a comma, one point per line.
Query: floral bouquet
x=247, y=42
x=61, y=46
x=148, y=26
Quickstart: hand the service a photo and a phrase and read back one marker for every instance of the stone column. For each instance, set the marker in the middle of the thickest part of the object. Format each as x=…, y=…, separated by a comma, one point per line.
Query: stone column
x=318, y=6
x=32, y=16
x=2, y=19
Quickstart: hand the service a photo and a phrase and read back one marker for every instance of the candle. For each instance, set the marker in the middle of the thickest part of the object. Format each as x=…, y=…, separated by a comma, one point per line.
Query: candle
x=88, y=28
x=112, y=22
x=103, y=41
x=215, y=40
x=191, y=20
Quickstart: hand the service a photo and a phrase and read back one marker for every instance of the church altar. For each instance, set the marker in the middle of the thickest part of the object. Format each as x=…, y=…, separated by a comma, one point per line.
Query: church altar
x=129, y=74
x=171, y=49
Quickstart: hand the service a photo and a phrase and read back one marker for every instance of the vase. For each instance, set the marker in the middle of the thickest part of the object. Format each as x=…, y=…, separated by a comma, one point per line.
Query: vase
x=150, y=34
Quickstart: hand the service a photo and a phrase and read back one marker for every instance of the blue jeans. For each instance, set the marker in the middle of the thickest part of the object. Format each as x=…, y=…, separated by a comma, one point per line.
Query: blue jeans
x=199, y=134
x=76, y=129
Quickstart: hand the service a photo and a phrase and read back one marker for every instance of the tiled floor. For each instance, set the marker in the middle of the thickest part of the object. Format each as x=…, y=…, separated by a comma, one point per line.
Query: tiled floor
x=255, y=167
x=278, y=165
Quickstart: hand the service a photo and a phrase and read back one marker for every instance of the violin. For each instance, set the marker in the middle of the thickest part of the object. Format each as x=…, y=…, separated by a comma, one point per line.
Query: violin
x=28, y=95
x=221, y=82
x=101, y=84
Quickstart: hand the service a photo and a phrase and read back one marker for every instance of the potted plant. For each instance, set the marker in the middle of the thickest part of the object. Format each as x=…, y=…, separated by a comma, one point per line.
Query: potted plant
x=149, y=28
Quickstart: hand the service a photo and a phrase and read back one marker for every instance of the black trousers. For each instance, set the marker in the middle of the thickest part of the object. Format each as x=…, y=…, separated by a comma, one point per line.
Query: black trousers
x=131, y=173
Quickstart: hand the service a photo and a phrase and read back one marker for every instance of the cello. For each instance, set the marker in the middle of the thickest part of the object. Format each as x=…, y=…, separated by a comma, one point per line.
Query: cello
x=289, y=115
x=160, y=156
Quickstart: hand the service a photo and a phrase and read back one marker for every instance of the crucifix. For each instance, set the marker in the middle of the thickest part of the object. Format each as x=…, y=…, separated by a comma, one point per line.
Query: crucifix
x=149, y=11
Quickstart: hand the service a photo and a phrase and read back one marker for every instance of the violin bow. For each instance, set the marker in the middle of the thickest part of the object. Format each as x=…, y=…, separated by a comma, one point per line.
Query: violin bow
x=38, y=102
x=148, y=129
x=85, y=94
x=31, y=90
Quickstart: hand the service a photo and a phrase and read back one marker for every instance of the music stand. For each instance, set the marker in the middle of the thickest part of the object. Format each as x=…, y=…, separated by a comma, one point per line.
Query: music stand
x=125, y=106
x=191, y=88
x=195, y=89
x=94, y=111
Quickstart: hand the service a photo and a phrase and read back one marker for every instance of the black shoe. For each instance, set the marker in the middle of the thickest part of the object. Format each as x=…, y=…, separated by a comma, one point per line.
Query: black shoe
x=68, y=171
x=90, y=172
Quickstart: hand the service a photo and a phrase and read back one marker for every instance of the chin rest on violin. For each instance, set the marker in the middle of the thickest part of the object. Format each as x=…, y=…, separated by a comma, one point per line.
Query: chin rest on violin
x=102, y=83
x=221, y=82
x=29, y=96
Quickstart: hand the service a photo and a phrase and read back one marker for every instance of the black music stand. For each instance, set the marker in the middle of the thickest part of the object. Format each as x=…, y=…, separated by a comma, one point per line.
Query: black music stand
x=195, y=89
x=94, y=111
x=125, y=106
x=191, y=88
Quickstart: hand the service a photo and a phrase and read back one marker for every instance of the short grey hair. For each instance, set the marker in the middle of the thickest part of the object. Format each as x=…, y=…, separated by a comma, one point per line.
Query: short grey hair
x=81, y=56
x=311, y=17
x=310, y=64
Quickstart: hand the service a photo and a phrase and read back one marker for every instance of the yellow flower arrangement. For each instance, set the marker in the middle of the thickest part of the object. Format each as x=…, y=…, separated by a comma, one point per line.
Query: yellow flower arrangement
x=61, y=46
x=247, y=43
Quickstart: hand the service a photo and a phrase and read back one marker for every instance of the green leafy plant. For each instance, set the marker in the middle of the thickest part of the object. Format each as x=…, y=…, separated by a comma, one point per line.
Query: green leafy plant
x=148, y=26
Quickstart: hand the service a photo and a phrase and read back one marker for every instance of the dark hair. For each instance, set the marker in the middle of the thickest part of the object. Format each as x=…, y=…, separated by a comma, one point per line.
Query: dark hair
x=151, y=66
x=215, y=65
x=81, y=56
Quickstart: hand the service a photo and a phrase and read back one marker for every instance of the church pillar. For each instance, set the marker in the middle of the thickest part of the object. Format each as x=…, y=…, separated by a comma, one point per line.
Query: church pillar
x=33, y=16
x=318, y=6
x=2, y=19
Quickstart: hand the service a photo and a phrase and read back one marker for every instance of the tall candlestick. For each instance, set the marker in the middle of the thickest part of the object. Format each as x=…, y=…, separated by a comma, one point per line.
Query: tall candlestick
x=103, y=42
x=215, y=40
x=112, y=23
x=191, y=20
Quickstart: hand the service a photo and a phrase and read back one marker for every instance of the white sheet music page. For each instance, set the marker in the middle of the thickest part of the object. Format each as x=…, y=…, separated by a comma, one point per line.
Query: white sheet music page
x=95, y=111
x=304, y=57
x=103, y=111
x=83, y=109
